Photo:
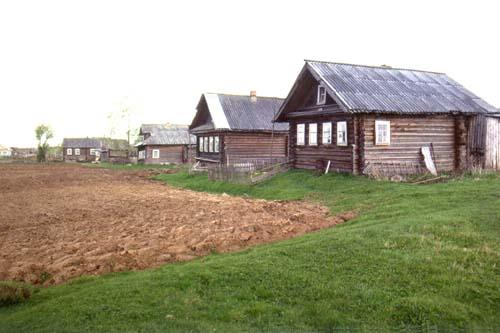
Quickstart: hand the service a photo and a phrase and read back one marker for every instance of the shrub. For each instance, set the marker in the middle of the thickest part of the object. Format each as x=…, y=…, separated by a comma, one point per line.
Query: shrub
x=13, y=292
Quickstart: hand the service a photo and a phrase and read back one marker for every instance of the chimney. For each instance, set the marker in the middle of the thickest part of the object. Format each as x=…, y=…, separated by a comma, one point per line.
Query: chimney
x=253, y=96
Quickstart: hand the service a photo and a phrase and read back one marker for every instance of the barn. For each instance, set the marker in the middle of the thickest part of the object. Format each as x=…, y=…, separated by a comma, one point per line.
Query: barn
x=379, y=120
x=87, y=149
x=165, y=143
x=234, y=129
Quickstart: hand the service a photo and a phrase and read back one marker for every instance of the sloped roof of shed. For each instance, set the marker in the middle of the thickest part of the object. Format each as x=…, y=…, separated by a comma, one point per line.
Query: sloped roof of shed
x=359, y=88
x=82, y=142
x=239, y=112
x=167, y=135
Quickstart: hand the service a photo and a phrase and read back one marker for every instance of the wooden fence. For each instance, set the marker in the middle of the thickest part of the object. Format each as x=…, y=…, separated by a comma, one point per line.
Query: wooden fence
x=248, y=172
x=389, y=169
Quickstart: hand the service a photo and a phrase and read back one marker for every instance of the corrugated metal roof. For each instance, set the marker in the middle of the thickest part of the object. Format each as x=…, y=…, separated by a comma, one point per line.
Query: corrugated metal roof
x=82, y=142
x=360, y=88
x=244, y=114
x=166, y=135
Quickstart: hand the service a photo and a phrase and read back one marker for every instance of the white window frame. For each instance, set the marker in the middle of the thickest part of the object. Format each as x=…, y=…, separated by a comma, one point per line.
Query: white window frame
x=301, y=134
x=216, y=144
x=313, y=134
x=93, y=151
x=326, y=136
x=342, y=133
x=200, y=144
x=155, y=154
x=142, y=154
x=321, y=95
x=69, y=151
x=211, y=144
x=77, y=151
x=379, y=141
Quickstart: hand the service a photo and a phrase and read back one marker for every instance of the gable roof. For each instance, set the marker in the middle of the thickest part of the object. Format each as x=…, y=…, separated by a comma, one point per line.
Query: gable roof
x=166, y=134
x=237, y=112
x=99, y=143
x=360, y=88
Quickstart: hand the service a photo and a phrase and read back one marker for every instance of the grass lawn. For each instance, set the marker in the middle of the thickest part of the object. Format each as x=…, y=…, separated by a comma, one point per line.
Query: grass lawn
x=130, y=166
x=418, y=257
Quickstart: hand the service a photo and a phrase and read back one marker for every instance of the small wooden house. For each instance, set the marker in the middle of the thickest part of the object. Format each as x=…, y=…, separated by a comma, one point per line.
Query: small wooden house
x=5, y=152
x=238, y=129
x=87, y=149
x=163, y=144
x=24, y=153
x=366, y=119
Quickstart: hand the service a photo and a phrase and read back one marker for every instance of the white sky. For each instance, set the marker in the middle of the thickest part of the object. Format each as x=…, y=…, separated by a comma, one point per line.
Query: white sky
x=70, y=63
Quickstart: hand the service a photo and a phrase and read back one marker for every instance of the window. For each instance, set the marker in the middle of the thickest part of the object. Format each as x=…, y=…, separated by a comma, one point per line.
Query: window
x=301, y=134
x=321, y=98
x=211, y=144
x=313, y=134
x=93, y=151
x=327, y=133
x=69, y=151
x=200, y=144
x=382, y=132
x=142, y=154
x=205, y=144
x=77, y=151
x=216, y=144
x=341, y=133
x=156, y=153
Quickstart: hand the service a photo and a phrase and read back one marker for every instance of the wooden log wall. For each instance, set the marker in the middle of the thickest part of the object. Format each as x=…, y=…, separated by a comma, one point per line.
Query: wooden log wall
x=168, y=154
x=316, y=157
x=408, y=135
x=240, y=147
x=83, y=157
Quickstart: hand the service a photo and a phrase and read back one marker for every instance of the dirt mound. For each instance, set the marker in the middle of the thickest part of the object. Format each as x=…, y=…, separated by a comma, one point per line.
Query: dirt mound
x=62, y=221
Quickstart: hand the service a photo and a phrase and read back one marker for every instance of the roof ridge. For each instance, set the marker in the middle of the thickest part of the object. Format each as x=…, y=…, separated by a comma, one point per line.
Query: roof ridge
x=374, y=66
x=239, y=95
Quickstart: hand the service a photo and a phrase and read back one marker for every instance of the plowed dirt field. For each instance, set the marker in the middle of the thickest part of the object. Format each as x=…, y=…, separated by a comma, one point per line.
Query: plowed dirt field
x=58, y=222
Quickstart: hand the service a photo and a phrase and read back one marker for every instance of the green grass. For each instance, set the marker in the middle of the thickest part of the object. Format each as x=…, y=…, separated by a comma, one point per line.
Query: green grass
x=131, y=166
x=419, y=257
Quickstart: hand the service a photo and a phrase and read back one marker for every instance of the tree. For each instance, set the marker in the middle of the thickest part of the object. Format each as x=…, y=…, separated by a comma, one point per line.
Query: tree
x=120, y=120
x=43, y=134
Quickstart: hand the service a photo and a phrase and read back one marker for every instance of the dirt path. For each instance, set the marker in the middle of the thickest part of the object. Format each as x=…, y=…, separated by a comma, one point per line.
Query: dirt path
x=58, y=222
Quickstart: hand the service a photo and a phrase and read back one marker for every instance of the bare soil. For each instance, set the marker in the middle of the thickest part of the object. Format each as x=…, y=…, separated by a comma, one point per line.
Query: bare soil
x=58, y=222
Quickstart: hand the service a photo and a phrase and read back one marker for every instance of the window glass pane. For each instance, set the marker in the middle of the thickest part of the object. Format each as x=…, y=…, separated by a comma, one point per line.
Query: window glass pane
x=205, y=144
x=211, y=144
x=313, y=134
x=321, y=98
x=69, y=151
x=382, y=132
x=341, y=133
x=327, y=133
x=301, y=129
x=216, y=144
x=200, y=144
x=77, y=151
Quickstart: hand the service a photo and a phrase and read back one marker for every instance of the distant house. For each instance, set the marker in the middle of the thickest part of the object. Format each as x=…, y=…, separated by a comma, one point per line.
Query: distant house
x=368, y=119
x=5, y=151
x=23, y=153
x=163, y=144
x=234, y=128
x=87, y=149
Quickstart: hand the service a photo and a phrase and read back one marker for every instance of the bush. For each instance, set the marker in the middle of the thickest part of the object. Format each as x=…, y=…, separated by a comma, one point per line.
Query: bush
x=13, y=292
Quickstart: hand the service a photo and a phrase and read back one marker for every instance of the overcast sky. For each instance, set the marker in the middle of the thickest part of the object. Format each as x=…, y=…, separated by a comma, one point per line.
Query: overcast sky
x=70, y=63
